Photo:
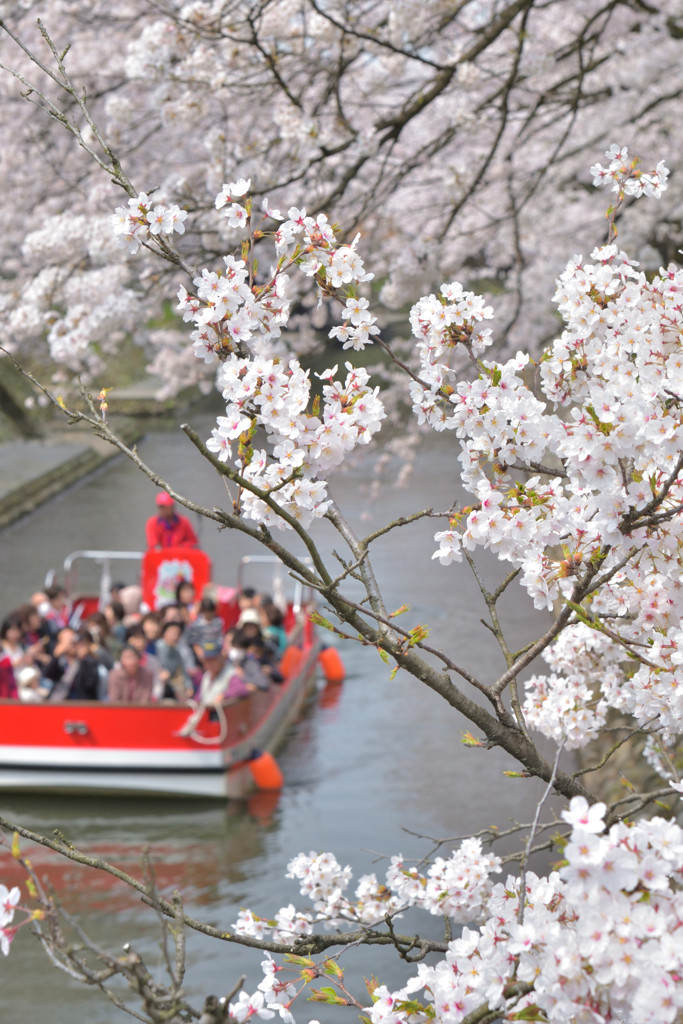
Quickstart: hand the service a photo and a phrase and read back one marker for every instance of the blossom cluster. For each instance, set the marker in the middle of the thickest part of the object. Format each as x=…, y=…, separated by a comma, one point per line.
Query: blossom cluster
x=237, y=321
x=441, y=324
x=592, y=672
x=359, y=325
x=236, y=214
x=569, y=705
x=596, y=940
x=227, y=314
x=583, y=482
x=564, y=708
x=143, y=220
x=457, y=886
x=625, y=176
x=303, y=447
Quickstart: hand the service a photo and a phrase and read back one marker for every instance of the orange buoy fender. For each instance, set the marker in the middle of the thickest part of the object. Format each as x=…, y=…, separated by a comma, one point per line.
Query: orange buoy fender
x=266, y=772
x=290, y=661
x=332, y=665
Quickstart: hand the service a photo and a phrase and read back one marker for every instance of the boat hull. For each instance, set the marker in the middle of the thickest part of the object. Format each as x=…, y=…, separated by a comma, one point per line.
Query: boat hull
x=140, y=749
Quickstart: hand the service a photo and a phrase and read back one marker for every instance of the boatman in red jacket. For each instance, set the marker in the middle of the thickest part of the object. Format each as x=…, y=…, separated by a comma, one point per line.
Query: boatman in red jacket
x=167, y=529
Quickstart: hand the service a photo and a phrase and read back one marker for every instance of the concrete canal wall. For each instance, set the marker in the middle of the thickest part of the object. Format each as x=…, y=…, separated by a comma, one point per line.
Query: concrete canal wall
x=33, y=471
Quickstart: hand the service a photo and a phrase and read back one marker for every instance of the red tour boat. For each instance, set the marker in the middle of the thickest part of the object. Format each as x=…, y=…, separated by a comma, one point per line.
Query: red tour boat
x=164, y=748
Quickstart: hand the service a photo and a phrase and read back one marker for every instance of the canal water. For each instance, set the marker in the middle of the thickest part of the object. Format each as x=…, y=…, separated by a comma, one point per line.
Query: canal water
x=375, y=765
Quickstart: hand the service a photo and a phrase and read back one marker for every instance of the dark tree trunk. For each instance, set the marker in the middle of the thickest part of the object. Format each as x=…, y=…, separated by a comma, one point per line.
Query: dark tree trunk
x=14, y=411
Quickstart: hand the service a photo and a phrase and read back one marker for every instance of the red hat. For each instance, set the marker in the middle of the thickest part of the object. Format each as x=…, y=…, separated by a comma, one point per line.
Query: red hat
x=164, y=499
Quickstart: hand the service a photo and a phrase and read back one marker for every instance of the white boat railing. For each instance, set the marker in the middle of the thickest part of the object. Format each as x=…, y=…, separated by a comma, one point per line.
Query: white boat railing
x=101, y=558
x=105, y=558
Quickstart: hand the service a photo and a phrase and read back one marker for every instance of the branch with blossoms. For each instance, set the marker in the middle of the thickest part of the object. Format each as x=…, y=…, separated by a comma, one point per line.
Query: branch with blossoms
x=626, y=179
x=283, y=483
x=598, y=559
x=293, y=939
x=533, y=958
x=506, y=958
x=574, y=482
x=72, y=950
x=497, y=727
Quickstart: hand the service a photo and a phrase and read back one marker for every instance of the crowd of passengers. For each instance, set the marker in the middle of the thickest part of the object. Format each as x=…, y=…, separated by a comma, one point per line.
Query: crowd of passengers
x=126, y=654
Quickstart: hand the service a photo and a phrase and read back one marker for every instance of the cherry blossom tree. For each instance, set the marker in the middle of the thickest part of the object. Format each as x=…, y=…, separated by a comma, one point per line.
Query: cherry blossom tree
x=570, y=457
x=575, y=475
x=456, y=136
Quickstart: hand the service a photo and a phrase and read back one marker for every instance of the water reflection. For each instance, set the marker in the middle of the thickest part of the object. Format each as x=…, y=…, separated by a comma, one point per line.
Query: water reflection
x=198, y=847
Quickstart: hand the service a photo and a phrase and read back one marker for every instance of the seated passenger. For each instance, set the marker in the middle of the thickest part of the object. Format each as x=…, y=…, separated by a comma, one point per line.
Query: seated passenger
x=243, y=656
x=72, y=668
x=274, y=629
x=115, y=613
x=86, y=683
x=37, y=644
x=131, y=599
x=115, y=590
x=56, y=611
x=261, y=650
x=185, y=600
x=151, y=627
x=129, y=681
x=63, y=664
x=207, y=628
x=247, y=601
x=173, y=673
x=11, y=642
x=263, y=655
x=173, y=613
x=222, y=680
x=35, y=634
x=138, y=640
x=106, y=648
x=167, y=529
